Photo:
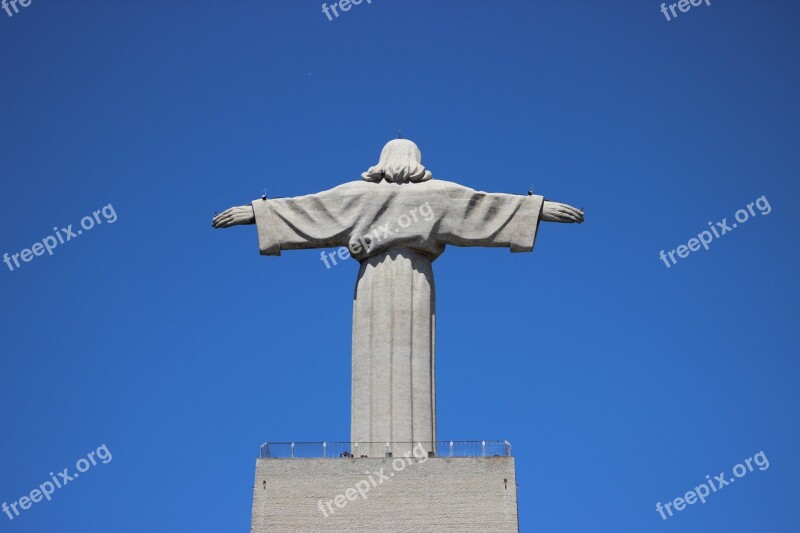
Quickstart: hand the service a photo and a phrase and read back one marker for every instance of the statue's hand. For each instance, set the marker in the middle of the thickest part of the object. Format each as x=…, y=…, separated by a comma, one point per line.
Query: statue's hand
x=558, y=212
x=235, y=216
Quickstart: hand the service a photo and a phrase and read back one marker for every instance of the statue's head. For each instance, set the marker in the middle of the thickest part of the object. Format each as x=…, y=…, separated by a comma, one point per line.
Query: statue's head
x=400, y=162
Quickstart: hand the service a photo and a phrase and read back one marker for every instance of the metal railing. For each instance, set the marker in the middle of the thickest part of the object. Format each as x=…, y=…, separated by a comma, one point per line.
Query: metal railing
x=336, y=450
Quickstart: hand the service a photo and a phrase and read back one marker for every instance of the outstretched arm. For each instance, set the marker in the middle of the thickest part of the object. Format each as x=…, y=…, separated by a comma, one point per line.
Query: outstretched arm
x=477, y=218
x=235, y=216
x=558, y=212
x=321, y=220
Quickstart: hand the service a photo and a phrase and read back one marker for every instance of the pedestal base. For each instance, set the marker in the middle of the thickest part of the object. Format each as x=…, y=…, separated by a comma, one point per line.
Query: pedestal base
x=463, y=495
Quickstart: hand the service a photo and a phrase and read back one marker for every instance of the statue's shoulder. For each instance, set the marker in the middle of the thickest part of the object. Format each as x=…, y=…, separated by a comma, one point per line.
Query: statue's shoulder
x=426, y=187
x=450, y=189
x=443, y=184
x=351, y=186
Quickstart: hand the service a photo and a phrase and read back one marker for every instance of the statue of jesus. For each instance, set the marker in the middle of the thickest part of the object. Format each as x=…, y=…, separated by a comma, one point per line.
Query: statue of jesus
x=396, y=221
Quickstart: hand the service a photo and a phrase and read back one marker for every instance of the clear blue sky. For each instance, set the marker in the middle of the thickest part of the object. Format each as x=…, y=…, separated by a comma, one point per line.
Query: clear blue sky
x=619, y=381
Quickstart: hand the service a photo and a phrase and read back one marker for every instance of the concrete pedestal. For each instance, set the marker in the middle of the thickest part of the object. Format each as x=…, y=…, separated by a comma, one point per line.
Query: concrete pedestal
x=459, y=495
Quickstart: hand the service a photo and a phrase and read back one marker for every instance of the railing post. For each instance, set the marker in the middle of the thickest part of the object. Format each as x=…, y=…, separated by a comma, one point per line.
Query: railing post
x=324, y=450
x=483, y=448
x=293, y=450
x=451, y=448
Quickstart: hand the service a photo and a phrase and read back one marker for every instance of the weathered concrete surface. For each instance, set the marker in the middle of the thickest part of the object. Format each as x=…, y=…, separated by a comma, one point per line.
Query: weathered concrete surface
x=463, y=495
x=393, y=391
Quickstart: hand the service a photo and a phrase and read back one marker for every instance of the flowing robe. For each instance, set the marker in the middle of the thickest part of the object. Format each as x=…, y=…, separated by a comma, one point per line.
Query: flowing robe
x=396, y=231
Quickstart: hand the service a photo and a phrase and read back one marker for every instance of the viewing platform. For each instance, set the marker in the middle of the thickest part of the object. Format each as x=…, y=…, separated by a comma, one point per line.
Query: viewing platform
x=337, y=450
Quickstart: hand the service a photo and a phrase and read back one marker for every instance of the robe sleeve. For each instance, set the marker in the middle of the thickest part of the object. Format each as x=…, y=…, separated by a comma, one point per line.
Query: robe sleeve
x=476, y=218
x=319, y=220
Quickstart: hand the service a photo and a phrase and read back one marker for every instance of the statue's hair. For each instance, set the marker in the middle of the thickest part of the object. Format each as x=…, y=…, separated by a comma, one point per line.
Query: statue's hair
x=400, y=162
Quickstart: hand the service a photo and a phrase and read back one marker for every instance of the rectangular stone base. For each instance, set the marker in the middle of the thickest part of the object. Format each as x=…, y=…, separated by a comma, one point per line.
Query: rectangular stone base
x=464, y=495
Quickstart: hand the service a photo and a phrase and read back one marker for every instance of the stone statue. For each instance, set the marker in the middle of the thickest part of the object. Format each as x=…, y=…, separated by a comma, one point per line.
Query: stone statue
x=396, y=221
